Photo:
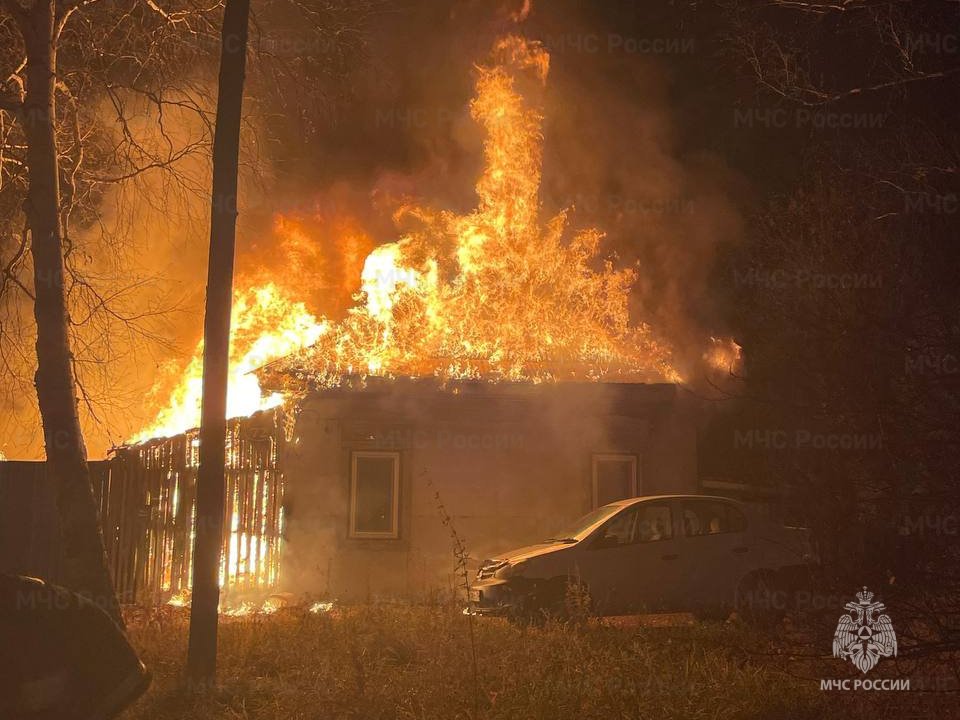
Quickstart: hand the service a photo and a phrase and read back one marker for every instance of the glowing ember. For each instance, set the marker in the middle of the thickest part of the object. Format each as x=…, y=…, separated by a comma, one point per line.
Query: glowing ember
x=181, y=599
x=321, y=607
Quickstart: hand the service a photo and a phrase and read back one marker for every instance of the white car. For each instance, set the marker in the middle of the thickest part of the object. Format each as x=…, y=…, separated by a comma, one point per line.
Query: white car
x=658, y=553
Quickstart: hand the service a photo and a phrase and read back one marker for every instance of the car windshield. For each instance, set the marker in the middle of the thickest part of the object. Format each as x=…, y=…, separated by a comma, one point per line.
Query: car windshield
x=576, y=530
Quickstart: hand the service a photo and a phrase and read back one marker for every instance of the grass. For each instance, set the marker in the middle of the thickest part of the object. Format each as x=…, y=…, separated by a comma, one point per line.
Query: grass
x=396, y=661
x=415, y=662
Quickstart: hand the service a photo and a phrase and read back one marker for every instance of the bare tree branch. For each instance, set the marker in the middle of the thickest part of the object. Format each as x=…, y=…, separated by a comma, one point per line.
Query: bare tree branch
x=16, y=11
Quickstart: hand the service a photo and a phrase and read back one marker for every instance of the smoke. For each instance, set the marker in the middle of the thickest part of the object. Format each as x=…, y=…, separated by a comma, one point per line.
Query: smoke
x=615, y=150
x=614, y=156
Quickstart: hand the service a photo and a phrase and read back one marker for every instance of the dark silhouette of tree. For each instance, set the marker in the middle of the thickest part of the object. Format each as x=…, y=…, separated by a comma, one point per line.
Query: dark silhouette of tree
x=85, y=565
x=202, y=655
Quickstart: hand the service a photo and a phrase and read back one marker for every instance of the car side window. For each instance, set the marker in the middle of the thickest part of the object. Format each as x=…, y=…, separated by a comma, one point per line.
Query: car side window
x=711, y=517
x=654, y=523
x=642, y=523
x=619, y=530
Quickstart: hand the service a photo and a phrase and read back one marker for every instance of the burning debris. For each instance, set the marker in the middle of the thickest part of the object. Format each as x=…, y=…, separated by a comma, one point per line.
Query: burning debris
x=180, y=599
x=247, y=607
x=494, y=294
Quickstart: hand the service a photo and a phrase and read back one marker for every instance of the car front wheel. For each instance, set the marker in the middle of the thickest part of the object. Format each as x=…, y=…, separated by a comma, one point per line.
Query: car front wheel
x=563, y=599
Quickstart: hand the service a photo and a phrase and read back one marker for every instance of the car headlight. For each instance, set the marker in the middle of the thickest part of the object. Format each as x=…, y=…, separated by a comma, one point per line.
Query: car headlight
x=512, y=569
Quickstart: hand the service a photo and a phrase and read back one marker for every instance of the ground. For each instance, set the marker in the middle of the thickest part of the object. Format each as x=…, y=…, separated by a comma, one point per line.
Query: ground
x=393, y=661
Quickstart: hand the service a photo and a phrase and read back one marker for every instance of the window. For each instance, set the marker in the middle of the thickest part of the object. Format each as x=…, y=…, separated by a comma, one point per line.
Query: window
x=711, y=517
x=646, y=522
x=374, y=491
x=614, y=478
x=582, y=525
x=620, y=530
x=653, y=523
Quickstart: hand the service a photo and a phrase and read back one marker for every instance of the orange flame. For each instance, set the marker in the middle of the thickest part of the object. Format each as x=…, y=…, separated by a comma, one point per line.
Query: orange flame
x=724, y=354
x=492, y=294
x=265, y=325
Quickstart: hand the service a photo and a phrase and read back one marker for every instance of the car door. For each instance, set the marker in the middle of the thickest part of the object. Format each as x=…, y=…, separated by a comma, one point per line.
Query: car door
x=714, y=550
x=631, y=564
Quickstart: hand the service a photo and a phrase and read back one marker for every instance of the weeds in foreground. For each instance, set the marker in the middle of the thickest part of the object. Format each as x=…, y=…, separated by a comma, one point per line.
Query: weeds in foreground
x=577, y=604
x=461, y=559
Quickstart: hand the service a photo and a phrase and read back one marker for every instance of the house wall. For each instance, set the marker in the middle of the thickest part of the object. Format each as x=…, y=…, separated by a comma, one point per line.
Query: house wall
x=511, y=464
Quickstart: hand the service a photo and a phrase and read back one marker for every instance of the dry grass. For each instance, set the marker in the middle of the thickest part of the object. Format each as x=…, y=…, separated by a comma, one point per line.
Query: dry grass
x=415, y=662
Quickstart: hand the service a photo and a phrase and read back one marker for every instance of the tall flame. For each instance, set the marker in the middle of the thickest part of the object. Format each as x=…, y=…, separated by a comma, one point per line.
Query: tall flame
x=492, y=294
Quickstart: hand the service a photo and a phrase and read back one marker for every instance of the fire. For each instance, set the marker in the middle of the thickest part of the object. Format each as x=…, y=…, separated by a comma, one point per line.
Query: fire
x=265, y=324
x=180, y=599
x=493, y=294
x=724, y=354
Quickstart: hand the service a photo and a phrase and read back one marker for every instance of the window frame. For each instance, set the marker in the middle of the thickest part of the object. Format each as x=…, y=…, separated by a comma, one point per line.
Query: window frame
x=352, y=532
x=597, y=458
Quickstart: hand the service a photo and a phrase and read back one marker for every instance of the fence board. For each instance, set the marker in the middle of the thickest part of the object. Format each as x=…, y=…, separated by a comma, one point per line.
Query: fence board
x=146, y=497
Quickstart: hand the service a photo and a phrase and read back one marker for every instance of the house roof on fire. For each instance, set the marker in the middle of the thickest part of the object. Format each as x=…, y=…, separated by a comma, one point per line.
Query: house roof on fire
x=620, y=398
x=287, y=372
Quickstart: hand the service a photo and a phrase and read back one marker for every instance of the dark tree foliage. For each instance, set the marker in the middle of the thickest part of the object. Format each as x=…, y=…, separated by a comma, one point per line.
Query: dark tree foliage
x=843, y=291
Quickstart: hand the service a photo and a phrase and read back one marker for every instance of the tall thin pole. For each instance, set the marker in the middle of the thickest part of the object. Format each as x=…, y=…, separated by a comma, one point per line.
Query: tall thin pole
x=202, y=652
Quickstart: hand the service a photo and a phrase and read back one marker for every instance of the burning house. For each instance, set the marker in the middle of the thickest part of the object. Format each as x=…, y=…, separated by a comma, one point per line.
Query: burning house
x=353, y=493
x=490, y=365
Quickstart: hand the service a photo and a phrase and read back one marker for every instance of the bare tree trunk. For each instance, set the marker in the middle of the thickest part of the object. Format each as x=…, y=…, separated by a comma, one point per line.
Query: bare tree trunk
x=85, y=562
x=202, y=653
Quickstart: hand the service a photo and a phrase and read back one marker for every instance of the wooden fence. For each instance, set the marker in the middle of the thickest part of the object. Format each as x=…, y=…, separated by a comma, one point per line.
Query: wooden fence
x=146, y=496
